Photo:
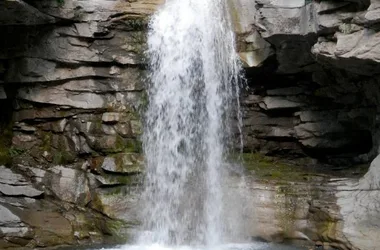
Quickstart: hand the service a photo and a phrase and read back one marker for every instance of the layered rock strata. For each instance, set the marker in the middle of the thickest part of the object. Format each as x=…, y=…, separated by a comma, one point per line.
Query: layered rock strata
x=71, y=95
x=309, y=205
x=72, y=91
x=313, y=74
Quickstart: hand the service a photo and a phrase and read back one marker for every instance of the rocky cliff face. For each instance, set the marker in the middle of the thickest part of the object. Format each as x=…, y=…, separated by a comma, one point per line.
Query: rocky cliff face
x=72, y=91
x=313, y=77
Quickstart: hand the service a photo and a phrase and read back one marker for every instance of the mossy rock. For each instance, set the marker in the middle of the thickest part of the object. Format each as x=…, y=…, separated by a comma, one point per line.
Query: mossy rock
x=5, y=158
x=118, y=230
x=63, y=157
x=110, y=144
x=272, y=168
x=134, y=24
x=6, y=151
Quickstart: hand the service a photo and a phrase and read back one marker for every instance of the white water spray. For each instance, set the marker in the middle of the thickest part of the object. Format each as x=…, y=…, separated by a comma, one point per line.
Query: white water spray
x=192, y=96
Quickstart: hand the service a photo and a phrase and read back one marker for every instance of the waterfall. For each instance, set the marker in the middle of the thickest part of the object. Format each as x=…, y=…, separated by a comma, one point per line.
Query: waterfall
x=193, y=96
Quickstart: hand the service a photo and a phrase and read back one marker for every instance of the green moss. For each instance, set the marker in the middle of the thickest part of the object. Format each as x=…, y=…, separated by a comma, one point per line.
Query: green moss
x=123, y=179
x=115, y=191
x=96, y=203
x=14, y=151
x=327, y=229
x=265, y=167
x=63, y=158
x=46, y=142
x=132, y=146
x=5, y=144
x=144, y=101
x=60, y=154
x=117, y=229
x=136, y=23
x=5, y=158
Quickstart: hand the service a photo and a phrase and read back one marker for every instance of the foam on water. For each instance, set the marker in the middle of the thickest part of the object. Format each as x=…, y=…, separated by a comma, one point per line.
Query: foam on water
x=192, y=93
x=255, y=246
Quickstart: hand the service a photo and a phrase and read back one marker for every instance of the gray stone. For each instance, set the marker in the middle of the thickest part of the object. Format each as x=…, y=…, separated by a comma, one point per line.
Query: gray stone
x=257, y=51
x=59, y=96
x=24, y=190
x=123, y=163
x=110, y=117
x=350, y=49
x=326, y=6
x=272, y=132
x=11, y=178
x=318, y=129
x=359, y=203
x=69, y=185
x=24, y=127
x=12, y=184
x=282, y=20
x=373, y=14
x=119, y=203
x=7, y=218
x=270, y=103
x=40, y=70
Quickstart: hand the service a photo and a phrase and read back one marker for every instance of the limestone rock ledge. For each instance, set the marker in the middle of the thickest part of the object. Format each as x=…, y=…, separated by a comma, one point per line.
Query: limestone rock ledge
x=309, y=205
x=71, y=94
x=313, y=75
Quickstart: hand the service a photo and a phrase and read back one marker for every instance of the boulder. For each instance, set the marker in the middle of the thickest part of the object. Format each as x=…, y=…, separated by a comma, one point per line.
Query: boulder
x=69, y=185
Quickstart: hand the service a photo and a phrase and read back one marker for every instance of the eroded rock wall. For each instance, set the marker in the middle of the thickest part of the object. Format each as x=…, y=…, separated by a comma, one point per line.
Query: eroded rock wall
x=313, y=74
x=71, y=93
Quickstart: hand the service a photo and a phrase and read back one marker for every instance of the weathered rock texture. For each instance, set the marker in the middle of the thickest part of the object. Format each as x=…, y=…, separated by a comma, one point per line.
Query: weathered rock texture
x=313, y=72
x=310, y=205
x=72, y=89
x=71, y=93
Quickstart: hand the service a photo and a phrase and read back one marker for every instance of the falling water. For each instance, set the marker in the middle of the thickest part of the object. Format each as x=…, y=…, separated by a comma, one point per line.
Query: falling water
x=192, y=98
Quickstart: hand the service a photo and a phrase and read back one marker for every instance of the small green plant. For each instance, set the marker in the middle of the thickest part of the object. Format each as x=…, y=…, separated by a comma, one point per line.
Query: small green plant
x=13, y=151
x=61, y=2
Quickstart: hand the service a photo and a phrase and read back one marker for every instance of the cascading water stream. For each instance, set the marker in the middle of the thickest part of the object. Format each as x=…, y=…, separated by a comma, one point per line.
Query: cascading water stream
x=192, y=93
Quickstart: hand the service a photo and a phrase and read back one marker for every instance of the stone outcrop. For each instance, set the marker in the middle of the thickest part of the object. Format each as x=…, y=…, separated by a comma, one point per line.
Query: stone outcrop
x=313, y=76
x=72, y=77
x=302, y=205
x=71, y=93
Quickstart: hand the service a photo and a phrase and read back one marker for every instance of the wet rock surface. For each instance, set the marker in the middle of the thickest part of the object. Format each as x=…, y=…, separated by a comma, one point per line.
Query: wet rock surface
x=71, y=93
x=72, y=78
x=310, y=205
x=313, y=76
